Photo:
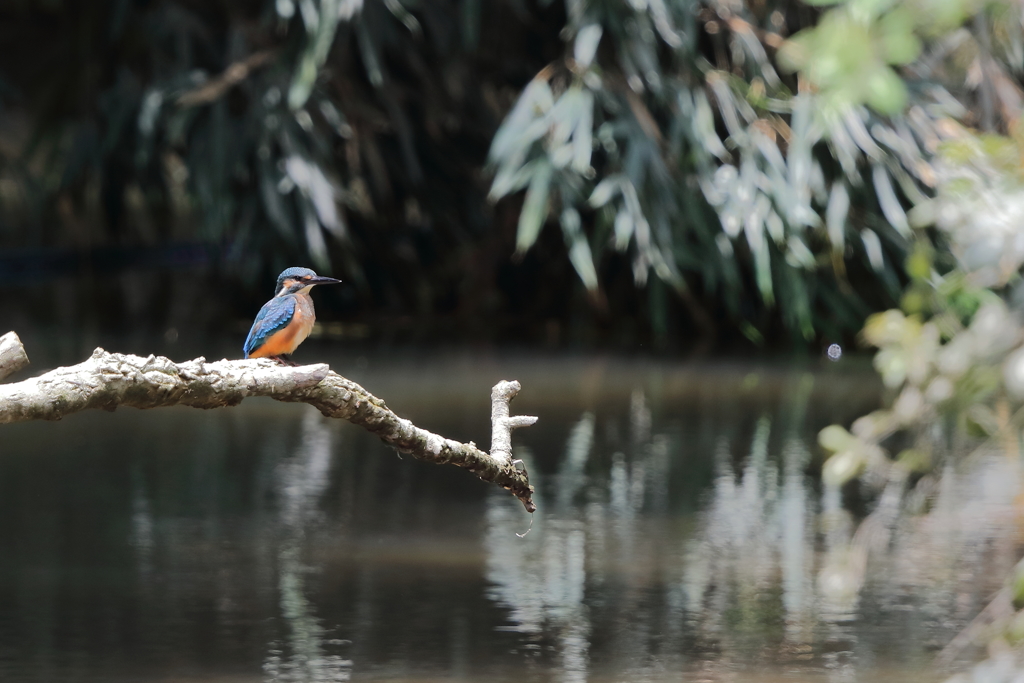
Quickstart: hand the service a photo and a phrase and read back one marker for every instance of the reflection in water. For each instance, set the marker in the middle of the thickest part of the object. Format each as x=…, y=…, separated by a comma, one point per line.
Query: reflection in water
x=301, y=481
x=748, y=587
x=541, y=577
x=682, y=533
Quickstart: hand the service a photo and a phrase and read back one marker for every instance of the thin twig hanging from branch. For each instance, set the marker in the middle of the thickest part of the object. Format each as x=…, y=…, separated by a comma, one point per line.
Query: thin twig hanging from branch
x=109, y=380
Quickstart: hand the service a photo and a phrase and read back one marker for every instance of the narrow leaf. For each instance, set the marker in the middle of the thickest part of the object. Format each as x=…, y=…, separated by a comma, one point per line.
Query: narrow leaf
x=532, y=106
x=704, y=127
x=535, y=208
x=887, y=200
x=623, y=229
x=583, y=135
x=579, y=249
x=403, y=15
x=585, y=46
x=605, y=191
x=873, y=248
x=835, y=215
x=512, y=177
x=310, y=16
x=314, y=235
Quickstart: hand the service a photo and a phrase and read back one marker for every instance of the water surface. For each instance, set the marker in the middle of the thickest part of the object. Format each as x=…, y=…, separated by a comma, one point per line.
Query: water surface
x=680, y=536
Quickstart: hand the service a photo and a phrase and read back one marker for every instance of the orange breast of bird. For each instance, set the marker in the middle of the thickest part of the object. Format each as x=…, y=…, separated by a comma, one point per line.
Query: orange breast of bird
x=294, y=333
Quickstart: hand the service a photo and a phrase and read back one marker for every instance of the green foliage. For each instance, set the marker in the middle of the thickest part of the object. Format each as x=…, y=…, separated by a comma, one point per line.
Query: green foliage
x=953, y=359
x=851, y=455
x=773, y=163
x=809, y=177
x=849, y=55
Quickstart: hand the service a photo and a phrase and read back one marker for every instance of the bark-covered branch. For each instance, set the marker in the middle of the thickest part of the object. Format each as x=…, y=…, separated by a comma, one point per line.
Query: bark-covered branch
x=502, y=423
x=12, y=355
x=108, y=380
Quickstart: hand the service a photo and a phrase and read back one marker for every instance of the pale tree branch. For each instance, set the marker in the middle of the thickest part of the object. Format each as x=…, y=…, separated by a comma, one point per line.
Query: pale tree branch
x=108, y=380
x=12, y=355
x=502, y=423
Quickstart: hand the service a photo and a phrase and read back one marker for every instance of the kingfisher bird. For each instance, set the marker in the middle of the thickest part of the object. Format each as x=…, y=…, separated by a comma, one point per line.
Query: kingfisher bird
x=284, y=322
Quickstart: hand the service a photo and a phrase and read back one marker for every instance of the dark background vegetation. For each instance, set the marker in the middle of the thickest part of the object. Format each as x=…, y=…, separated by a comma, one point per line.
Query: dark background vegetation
x=123, y=206
x=698, y=175
x=86, y=197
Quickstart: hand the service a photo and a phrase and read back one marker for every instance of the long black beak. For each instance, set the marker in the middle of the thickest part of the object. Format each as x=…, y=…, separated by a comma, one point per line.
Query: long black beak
x=321, y=280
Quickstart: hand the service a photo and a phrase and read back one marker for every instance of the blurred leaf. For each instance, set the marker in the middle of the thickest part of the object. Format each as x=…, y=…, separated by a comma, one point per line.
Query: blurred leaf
x=273, y=204
x=885, y=91
x=834, y=438
x=762, y=260
x=897, y=29
x=585, y=45
x=403, y=15
x=579, y=249
x=842, y=468
x=835, y=215
x=751, y=333
x=310, y=178
x=314, y=236
x=535, y=207
x=623, y=229
x=285, y=8
x=310, y=15
x=799, y=254
x=321, y=27
x=1017, y=585
x=915, y=460
x=368, y=51
x=510, y=179
x=887, y=327
x=887, y=200
x=519, y=130
x=919, y=263
x=605, y=191
x=873, y=248
x=704, y=127
x=583, y=140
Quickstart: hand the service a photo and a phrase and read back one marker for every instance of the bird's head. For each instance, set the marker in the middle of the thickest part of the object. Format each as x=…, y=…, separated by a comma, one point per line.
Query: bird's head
x=297, y=279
